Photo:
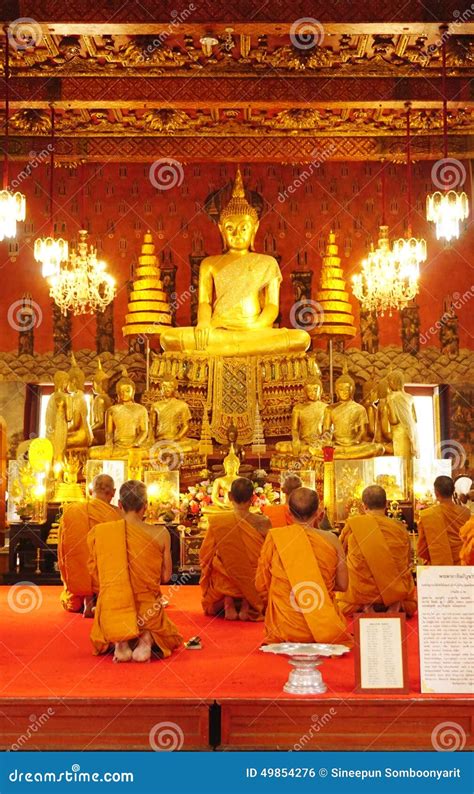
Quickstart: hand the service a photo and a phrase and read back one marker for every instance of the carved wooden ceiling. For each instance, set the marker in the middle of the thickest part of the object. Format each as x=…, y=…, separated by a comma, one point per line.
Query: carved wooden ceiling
x=239, y=80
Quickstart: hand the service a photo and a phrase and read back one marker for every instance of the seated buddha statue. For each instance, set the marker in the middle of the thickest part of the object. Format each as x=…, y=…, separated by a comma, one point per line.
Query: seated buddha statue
x=169, y=419
x=247, y=295
x=307, y=420
x=79, y=434
x=126, y=424
x=221, y=485
x=347, y=423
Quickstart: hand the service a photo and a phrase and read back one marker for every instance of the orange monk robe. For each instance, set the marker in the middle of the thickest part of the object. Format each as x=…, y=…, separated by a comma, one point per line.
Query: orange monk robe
x=125, y=564
x=467, y=537
x=278, y=514
x=73, y=552
x=378, y=558
x=296, y=576
x=229, y=556
x=439, y=541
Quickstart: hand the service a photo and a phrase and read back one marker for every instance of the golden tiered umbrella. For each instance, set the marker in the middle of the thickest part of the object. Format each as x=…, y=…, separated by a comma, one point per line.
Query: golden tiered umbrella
x=148, y=308
x=333, y=297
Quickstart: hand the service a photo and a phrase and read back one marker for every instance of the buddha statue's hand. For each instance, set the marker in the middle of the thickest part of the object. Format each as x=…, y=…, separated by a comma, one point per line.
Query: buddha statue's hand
x=201, y=336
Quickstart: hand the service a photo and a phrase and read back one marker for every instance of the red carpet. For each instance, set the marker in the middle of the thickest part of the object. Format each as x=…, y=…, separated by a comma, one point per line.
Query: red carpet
x=46, y=653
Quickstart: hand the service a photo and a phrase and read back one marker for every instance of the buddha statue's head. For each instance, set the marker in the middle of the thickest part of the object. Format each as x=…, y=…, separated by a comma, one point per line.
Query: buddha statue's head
x=100, y=379
x=370, y=391
x=61, y=380
x=125, y=388
x=168, y=388
x=396, y=380
x=382, y=388
x=344, y=387
x=232, y=433
x=313, y=389
x=76, y=379
x=231, y=463
x=238, y=221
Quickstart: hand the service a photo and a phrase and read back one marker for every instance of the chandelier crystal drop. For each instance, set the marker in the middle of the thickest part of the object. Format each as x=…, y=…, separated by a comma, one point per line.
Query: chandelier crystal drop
x=384, y=282
x=446, y=211
x=12, y=211
x=82, y=286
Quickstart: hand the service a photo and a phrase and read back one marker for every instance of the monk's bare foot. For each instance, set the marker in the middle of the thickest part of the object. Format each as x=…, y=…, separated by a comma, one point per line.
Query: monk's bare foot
x=89, y=607
x=396, y=607
x=244, y=610
x=229, y=608
x=123, y=652
x=142, y=652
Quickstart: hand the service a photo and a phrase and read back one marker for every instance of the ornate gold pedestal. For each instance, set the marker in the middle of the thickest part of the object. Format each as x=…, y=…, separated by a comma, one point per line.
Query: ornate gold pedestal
x=231, y=387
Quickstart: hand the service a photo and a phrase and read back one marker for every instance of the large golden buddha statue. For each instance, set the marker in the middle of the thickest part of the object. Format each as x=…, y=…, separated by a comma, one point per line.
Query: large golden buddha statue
x=79, y=434
x=347, y=423
x=170, y=417
x=307, y=419
x=246, y=286
x=126, y=424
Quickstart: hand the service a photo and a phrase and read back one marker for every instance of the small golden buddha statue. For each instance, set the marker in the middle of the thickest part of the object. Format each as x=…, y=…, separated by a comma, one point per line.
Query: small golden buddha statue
x=170, y=417
x=222, y=485
x=307, y=419
x=401, y=417
x=58, y=412
x=100, y=404
x=347, y=422
x=247, y=289
x=126, y=424
x=79, y=430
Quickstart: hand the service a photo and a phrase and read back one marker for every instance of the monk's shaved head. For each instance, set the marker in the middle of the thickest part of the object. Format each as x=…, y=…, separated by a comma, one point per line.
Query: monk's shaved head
x=241, y=490
x=303, y=503
x=133, y=496
x=374, y=497
x=103, y=487
x=444, y=487
x=291, y=483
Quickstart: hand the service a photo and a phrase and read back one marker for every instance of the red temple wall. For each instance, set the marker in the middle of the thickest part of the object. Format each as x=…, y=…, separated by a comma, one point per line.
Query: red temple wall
x=120, y=208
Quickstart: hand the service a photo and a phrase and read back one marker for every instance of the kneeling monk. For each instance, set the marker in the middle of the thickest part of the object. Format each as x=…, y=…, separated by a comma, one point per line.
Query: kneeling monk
x=229, y=556
x=299, y=568
x=467, y=536
x=279, y=515
x=128, y=561
x=73, y=552
x=378, y=560
x=439, y=541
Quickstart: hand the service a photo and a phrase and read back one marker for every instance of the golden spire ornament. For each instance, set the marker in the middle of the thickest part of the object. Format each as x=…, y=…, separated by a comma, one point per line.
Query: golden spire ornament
x=148, y=308
x=238, y=204
x=333, y=297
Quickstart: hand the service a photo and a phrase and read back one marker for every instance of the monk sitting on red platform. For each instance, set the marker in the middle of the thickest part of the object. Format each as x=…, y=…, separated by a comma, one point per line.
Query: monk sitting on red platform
x=279, y=515
x=73, y=552
x=299, y=569
x=378, y=560
x=439, y=540
x=229, y=556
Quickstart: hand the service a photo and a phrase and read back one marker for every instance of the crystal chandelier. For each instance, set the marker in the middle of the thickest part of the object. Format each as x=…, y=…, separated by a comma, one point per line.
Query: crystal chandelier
x=12, y=205
x=49, y=251
x=448, y=208
x=409, y=252
x=82, y=286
